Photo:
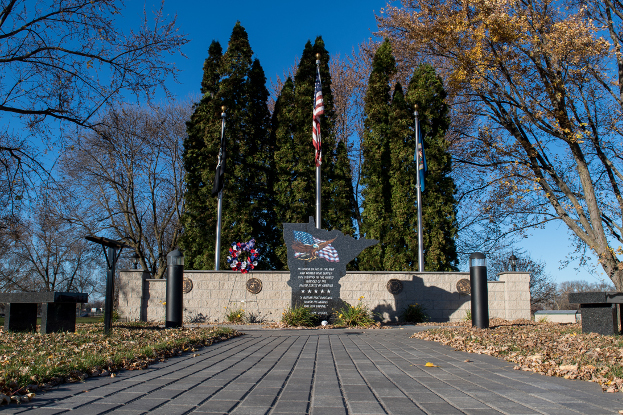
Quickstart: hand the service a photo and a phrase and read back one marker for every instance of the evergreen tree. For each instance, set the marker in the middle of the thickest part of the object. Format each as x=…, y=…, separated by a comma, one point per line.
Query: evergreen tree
x=286, y=162
x=259, y=158
x=197, y=220
x=402, y=242
x=295, y=180
x=339, y=208
x=389, y=174
x=438, y=203
x=375, y=170
x=237, y=82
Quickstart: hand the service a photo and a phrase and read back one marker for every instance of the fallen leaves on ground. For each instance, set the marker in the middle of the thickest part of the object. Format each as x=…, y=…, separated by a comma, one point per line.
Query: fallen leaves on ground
x=29, y=361
x=548, y=348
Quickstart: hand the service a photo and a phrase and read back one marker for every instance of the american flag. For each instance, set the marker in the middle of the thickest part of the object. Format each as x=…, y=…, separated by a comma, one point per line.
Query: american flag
x=318, y=111
x=328, y=252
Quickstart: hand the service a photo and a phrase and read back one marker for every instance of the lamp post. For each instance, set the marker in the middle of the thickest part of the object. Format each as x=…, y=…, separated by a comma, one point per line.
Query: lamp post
x=135, y=259
x=513, y=261
x=480, y=295
x=175, y=285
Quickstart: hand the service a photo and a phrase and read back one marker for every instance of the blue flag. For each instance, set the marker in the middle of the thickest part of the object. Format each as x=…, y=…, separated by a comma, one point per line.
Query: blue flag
x=420, y=147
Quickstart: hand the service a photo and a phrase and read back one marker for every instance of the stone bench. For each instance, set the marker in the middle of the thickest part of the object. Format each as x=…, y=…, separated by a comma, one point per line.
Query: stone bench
x=599, y=311
x=58, y=311
x=557, y=316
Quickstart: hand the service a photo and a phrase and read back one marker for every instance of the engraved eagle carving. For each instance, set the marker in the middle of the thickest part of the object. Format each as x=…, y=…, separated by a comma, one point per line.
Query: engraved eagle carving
x=310, y=252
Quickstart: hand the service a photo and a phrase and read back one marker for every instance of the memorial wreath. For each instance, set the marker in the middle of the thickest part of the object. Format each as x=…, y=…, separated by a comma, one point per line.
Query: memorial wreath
x=242, y=256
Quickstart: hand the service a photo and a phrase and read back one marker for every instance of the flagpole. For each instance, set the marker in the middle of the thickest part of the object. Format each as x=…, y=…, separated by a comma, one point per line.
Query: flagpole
x=318, y=168
x=217, y=253
x=419, y=193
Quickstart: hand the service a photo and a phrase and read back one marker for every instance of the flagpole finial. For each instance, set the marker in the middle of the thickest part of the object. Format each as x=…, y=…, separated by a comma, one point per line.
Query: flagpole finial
x=415, y=108
x=223, y=108
x=317, y=58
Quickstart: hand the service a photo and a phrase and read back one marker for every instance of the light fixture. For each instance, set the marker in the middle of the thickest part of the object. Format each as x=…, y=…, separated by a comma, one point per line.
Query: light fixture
x=513, y=261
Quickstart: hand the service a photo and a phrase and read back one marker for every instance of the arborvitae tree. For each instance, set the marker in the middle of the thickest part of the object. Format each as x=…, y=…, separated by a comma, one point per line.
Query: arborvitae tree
x=198, y=220
x=286, y=161
x=301, y=200
x=241, y=88
x=438, y=203
x=259, y=157
x=389, y=174
x=375, y=170
x=295, y=180
x=402, y=242
x=339, y=208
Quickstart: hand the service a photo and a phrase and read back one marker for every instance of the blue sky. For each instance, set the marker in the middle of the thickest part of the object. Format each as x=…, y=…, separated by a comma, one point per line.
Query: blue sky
x=277, y=32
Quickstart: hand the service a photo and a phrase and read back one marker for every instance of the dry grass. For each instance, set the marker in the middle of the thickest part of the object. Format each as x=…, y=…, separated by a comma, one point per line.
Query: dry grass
x=30, y=361
x=548, y=348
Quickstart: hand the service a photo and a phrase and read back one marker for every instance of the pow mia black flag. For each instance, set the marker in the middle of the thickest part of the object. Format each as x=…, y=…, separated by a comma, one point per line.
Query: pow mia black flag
x=220, y=171
x=219, y=177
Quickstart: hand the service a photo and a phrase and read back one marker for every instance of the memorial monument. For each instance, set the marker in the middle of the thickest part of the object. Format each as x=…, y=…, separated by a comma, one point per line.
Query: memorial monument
x=317, y=259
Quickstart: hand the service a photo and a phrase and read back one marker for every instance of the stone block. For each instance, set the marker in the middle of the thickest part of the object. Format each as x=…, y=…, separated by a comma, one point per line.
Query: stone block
x=20, y=316
x=518, y=314
x=599, y=318
x=58, y=317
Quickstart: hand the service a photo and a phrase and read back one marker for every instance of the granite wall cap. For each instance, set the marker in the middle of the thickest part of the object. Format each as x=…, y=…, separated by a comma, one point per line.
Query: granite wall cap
x=44, y=297
x=596, y=297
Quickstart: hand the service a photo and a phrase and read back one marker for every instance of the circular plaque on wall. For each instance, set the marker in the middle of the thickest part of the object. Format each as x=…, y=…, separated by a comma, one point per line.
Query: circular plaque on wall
x=254, y=285
x=394, y=286
x=463, y=286
x=187, y=285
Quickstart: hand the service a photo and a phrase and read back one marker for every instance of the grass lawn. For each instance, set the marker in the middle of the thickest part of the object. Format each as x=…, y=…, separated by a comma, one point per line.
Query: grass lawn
x=48, y=359
x=78, y=320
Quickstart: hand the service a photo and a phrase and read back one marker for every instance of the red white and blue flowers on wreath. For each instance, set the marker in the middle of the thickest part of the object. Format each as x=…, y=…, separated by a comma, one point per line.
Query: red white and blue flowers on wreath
x=242, y=256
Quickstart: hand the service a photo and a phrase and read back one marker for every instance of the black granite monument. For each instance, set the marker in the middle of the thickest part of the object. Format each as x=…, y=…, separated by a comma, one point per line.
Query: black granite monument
x=317, y=260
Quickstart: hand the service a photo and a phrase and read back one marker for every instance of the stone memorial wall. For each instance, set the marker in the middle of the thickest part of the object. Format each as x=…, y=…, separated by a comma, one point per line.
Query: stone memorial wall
x=209, y=295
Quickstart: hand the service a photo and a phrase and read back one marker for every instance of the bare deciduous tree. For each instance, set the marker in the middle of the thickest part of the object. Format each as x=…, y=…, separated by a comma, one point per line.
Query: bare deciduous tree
x=542, y=288
x=129, y=174
x=566, y=287
x=61, y=62
x=47, y=253
x=66, y=59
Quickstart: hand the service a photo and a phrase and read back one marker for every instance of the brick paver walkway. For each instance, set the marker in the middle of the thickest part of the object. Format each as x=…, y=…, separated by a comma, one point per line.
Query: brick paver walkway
x=326, y=372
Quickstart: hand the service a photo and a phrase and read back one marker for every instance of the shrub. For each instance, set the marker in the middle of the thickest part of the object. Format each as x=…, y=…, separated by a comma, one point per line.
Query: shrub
x=355, y=316
x=235, y=316
x=414, y=313
x=299, y=316
x=115, y=316
x=468, y=315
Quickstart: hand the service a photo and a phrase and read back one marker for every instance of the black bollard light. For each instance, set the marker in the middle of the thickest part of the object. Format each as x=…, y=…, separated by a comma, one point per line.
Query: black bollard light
x=175, y=295
x=480, y=294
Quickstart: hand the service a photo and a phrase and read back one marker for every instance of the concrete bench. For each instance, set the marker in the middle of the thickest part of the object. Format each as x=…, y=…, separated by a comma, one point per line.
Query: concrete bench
x=58, y=311
x=599, y=311
x=556, y=316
